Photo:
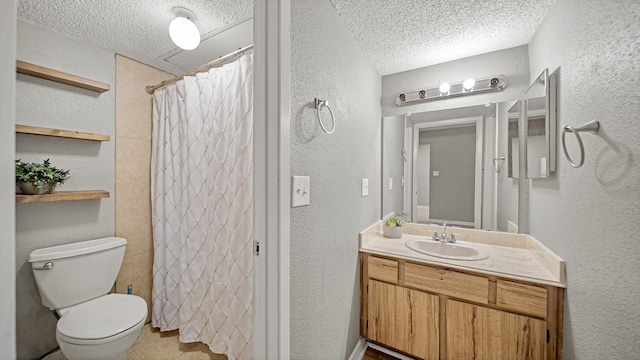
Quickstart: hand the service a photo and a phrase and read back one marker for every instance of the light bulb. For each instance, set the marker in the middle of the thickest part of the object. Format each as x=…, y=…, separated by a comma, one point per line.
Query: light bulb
x=444, y=88
x=184, y=33
x=469, y=84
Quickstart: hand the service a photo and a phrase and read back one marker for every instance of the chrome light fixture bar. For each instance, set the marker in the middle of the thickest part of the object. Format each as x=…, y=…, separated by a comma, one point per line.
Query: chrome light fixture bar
x=446, y=90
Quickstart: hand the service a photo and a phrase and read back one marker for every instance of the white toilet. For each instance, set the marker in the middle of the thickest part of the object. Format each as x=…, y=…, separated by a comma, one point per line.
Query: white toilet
x=74, y=280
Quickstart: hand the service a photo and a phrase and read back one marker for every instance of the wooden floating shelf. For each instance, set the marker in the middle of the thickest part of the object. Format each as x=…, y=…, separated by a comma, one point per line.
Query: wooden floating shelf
x=36, y=130
x=60, y=77
x=63, y=196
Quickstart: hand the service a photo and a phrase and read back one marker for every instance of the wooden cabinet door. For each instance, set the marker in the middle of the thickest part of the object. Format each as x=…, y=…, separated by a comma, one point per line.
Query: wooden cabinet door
x=479, y=333
x=404, y=319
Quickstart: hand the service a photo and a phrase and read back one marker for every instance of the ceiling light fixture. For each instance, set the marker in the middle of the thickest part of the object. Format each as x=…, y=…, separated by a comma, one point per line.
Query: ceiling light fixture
x=183, y=30
x=447, y=90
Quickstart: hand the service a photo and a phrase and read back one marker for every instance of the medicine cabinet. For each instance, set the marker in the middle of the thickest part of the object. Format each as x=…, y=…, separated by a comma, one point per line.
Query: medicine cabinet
x=540, y=123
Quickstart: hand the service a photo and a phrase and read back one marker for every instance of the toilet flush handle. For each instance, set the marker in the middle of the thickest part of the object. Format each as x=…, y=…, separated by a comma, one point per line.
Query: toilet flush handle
x=47, y=266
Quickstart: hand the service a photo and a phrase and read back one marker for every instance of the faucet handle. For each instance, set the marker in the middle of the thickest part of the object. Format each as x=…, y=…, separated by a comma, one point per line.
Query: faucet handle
x=452, y=238
x=436, y=237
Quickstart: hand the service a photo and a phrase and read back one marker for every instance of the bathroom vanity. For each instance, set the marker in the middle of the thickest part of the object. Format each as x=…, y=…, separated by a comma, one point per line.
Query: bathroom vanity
x=506, y=306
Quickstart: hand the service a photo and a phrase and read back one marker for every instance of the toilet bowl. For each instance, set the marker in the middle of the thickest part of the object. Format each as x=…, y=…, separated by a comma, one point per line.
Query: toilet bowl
x=103, y=328
x=74, y=280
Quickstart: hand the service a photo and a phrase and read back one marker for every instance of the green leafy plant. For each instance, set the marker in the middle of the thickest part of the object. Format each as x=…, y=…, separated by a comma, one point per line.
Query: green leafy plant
x=396, y=219
x=40, y=174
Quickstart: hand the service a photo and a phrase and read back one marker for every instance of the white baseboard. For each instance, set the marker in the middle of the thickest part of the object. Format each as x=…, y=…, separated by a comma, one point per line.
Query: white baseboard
x=359, y=350
x=388, y=352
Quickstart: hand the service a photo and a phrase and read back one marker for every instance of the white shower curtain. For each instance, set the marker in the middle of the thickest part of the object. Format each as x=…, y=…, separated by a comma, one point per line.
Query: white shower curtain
x=202, y=208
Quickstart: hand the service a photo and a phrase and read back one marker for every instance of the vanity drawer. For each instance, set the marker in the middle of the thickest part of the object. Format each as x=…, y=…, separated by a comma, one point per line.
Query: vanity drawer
x=527, y=299
x=447, y=282
x=383, y=269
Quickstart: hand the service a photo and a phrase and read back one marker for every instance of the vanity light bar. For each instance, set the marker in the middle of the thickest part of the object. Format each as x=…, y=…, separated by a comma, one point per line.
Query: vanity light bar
x=491, y=84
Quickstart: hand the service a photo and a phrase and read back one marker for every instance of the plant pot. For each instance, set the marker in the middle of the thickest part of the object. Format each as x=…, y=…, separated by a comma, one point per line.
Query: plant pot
x=392, y=232
x=28, y=188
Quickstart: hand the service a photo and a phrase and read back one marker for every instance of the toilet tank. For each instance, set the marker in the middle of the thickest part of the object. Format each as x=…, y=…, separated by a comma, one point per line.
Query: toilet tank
x=73, y=273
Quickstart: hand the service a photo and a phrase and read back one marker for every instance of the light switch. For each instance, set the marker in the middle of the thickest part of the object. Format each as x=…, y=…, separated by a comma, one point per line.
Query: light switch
x=300, y=191
x=365, y=187
x=436, y=173
x=390, y=183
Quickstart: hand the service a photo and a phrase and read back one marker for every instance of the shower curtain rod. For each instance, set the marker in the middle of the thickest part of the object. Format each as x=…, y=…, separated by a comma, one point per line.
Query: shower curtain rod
x=152, y=88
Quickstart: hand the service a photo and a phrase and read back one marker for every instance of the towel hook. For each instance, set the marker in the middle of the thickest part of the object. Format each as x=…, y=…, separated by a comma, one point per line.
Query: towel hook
x=498, y=162
x=592, y=126
x=320, y=104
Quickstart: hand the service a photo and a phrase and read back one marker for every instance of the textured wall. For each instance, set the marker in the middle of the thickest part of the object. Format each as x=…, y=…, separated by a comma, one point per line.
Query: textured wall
x=589, y=216
x=326, y=62
x=513, y=63
x=133, y=174
x=7, y=197
x=45, y=103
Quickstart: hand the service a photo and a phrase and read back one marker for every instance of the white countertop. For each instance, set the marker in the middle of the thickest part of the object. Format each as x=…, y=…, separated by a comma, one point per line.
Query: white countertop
x=513, y=256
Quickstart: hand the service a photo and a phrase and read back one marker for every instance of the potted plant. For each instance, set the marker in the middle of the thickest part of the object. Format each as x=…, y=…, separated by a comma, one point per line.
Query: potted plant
x=38, y=179
x=392, y=225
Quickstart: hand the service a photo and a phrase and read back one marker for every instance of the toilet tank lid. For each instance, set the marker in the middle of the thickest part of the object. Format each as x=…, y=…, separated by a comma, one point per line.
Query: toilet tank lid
x=76, y=249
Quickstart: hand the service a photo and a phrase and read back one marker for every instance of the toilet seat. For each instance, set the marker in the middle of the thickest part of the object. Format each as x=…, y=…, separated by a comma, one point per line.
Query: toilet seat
x=102, y=320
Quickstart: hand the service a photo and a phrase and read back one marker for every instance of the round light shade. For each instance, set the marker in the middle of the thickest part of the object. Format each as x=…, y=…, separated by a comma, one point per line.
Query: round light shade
x=469, y=84
x=444, y=88
x=184, y=33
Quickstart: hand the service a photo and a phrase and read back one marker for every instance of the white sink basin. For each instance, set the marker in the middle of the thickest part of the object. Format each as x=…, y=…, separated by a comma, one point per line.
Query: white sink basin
x=446, y=250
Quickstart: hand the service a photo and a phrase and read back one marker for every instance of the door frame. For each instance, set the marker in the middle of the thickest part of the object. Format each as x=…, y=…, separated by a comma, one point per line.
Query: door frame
x=8, y=32
x=271, y=308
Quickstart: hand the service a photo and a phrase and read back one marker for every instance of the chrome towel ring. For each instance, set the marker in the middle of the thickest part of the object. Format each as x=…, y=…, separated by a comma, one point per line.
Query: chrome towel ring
x=592, y=126
x=320, y=104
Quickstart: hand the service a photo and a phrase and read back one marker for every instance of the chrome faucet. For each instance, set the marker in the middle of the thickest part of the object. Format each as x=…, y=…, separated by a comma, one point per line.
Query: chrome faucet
x=452, y=238
x=443, y=237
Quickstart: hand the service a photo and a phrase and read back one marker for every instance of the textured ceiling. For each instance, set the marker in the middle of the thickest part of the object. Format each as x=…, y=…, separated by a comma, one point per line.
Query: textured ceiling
x=135, y=28
x=395, y=35
x=405, y=35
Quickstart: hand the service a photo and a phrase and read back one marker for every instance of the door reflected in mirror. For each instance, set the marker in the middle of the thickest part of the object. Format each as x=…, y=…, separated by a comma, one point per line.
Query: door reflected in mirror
x=447, y=170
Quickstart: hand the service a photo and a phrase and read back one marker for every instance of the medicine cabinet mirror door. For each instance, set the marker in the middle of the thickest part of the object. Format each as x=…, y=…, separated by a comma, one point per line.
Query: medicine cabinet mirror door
x=540, y=110
x=513, y=143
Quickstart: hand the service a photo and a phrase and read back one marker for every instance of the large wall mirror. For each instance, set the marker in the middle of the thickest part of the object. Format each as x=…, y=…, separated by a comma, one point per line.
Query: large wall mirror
x=440, y=166
x=540, y=118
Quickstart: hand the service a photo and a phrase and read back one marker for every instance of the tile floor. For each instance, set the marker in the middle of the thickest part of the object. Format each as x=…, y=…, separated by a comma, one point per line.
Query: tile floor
x=156, y=345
